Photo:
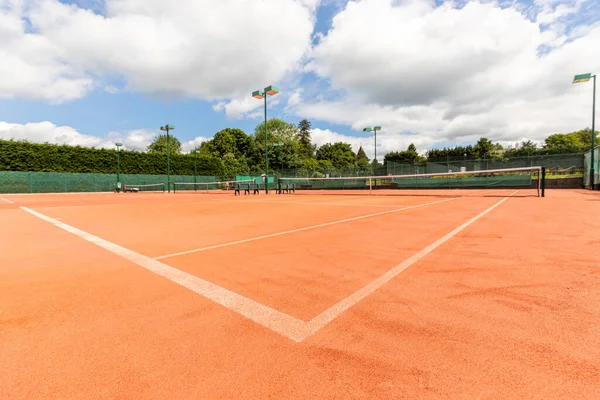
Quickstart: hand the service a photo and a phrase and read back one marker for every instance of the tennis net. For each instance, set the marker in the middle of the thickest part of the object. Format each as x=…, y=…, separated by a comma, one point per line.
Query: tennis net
x=151, y=187
x=529, y=181
x=207, y=187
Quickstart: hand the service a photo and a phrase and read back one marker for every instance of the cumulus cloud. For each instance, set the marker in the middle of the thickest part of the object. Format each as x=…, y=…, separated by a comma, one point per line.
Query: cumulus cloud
x=190, y=145
x=454, y=74
x=33, y=66
x=199, y=48
x=47, y=132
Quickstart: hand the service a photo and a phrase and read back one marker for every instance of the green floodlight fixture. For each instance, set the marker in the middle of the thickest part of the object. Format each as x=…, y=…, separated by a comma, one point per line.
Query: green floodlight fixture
x=374, y=129
x=580, y=79
x=167, y=128
x=260, y=94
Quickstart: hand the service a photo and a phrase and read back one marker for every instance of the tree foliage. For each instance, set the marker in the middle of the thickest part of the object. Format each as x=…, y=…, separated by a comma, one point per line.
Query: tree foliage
x=409, y=156
x=305, y=139
x=231, y=152
x=362, y=161
x=339, y=154
x=159, y=145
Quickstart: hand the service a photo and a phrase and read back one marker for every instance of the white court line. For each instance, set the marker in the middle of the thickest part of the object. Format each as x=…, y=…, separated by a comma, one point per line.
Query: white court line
x=58, y=193
x=288, y=326
x=315, y=203
x=7, y=200
x=335, y=311
x=275, y=320
x=306, y=228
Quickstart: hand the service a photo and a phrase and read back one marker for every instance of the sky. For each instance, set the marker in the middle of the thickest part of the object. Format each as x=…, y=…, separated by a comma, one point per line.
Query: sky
x=430, y=72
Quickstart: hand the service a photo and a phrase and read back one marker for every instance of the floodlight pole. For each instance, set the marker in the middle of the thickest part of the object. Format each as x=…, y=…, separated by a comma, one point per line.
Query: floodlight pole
x=585, y=78
x=375, y=134
x=266, y=151
x=271, y=91
x=118, y=165
x=592, y=171
x=166, y=128
x=195, y=166
x=374, y=129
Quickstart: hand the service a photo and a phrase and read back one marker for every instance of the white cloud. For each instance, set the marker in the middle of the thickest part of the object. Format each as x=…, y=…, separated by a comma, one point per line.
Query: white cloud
x=295, y=98
x=199, y=48
x=238, y=107
x=190, y=145
x=452, y=74
x=111, y=89
x=47, y=132
x=33, y=66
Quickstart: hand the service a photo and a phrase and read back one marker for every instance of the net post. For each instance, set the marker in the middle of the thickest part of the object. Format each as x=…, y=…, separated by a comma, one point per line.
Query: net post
x=370, y=186
x=543, y=181
x=174, y=187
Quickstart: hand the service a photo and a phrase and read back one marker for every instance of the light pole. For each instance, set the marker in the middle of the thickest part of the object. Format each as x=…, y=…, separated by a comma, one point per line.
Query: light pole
x=118, y=166
x=258, y=94
x=585, y=78
x=374, y=130
x=195, y=166
x=168, y=128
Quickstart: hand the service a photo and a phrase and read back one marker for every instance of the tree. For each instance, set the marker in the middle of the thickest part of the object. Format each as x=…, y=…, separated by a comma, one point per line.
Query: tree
x=339, y=154
x=231, y=165
x=224, y=143
x=278, y=131
x=304, y=136
x=288, y=151
x=585, y=138
x=564, y=143
x=362, y=161
x=484, y=148
x=410, y=156
x=159, y=145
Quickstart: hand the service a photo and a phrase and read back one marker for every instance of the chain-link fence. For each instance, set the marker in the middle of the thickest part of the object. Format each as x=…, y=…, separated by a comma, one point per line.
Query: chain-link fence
x=554, y=163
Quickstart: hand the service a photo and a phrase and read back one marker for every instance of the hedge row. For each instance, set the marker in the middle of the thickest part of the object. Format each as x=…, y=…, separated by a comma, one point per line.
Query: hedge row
x=26, y=156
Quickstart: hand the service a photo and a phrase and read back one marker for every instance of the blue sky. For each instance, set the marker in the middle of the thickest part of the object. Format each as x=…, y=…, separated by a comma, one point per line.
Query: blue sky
x=431, y=72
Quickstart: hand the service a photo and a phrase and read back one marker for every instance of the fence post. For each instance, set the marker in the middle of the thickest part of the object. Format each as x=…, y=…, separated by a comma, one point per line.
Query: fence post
x=543, y=181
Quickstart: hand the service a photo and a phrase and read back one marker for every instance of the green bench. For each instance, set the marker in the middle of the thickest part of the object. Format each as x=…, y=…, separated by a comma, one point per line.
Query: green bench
x=286, y=188
x=246, y=187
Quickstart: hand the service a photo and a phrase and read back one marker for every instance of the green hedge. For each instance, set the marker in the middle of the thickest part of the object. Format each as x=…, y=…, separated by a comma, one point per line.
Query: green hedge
x=26, y=156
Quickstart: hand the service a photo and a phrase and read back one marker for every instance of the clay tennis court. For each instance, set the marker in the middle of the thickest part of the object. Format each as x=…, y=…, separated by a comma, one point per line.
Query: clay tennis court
x=462, y=294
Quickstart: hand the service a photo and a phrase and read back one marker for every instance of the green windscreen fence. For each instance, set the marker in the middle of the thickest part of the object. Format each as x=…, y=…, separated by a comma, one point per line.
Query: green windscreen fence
x=588, y=165
x=59, y=182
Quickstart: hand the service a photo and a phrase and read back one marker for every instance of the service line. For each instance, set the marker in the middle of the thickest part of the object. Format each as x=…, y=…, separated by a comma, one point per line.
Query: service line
x=7, y=200
x=306, y=228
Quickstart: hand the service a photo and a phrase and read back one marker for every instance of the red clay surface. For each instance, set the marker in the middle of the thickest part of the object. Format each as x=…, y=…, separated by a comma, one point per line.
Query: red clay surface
x=508, y=308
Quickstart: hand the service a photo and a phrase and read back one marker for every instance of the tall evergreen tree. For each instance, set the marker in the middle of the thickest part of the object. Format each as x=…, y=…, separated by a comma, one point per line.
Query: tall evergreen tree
x=304, y=136
x=361, y=158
